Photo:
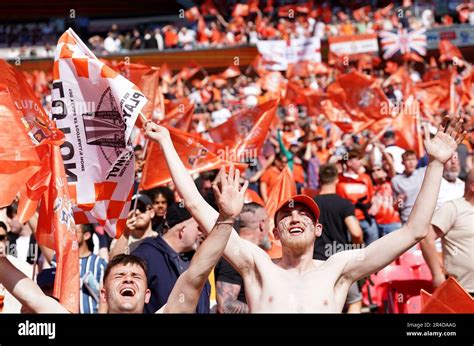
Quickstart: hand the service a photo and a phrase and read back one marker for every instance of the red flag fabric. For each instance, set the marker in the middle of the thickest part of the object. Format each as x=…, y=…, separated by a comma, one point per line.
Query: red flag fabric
x=359, y=96
x=246, y=131
x=310, y=98
x=284, y=189
x=342, y=119
x=193, y=152
x=448, y=51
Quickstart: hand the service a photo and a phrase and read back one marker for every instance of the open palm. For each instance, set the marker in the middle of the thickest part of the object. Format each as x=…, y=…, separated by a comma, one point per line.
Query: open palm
x=229, y=194
x=443, y=145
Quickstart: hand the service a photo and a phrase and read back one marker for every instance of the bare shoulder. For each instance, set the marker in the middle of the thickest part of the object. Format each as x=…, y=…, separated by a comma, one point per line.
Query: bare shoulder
x=341, y=259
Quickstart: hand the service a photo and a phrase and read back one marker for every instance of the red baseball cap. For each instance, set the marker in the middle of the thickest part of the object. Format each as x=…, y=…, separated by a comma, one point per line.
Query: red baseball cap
x=303, y=199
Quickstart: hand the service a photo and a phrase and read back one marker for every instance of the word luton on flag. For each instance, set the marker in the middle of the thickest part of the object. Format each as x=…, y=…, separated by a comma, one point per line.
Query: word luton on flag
x=96, y=108
x=31, y=165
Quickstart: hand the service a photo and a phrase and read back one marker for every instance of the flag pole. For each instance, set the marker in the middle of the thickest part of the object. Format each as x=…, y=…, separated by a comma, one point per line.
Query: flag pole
x=145, y=146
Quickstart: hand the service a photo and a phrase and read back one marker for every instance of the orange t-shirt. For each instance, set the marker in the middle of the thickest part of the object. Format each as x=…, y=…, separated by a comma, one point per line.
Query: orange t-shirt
x=382, y=205
x=323, y=156
x=270, y=177
x=354, y=188
x=171, y=38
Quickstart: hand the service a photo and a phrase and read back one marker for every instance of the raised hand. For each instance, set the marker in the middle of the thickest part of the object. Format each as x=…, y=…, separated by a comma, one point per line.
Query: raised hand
x=443, y=145
x=156, y=132
x=229, y=194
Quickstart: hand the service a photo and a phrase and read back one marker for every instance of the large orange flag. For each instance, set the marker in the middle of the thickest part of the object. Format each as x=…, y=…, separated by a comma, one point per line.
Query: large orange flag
x=284, y=189
x=359, y=96
x=31, y=164
x=192, y=150
x=245, y=132
x=341, y=119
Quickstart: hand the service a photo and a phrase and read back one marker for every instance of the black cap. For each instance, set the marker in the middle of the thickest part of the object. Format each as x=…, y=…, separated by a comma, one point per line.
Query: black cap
x=176, y=214
x=142, y=198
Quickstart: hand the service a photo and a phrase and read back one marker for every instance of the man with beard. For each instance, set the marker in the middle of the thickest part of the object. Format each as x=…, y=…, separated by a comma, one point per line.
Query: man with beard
x=451, y=186
x=296, y=282
x=125, y=280
x=253, y=226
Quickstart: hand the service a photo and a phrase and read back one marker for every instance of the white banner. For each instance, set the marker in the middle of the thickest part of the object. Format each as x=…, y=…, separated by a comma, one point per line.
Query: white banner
x=353, y=44
x=277, y=54
x=459, y=35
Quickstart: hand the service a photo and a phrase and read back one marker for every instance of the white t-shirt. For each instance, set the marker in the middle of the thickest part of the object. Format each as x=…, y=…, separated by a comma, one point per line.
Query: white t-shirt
x=22, y=247
x=396, y=153
x=220, y=116
x=449, y=191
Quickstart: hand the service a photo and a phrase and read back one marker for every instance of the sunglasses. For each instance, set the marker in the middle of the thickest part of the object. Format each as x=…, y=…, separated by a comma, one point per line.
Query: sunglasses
x=3, y=237
x=143, y=208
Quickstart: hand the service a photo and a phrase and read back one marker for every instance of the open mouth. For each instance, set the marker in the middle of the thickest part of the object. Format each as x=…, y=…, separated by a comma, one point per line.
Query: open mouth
x=127, y=292
x=294, y=231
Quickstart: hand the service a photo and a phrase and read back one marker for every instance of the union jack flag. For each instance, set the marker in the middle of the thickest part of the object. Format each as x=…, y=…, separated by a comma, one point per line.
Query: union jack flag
x=403, y=41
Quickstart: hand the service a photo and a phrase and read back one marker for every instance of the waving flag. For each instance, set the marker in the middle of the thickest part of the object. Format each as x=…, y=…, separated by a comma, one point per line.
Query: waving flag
x=96, y=108
x=359, y=96
x=30, y=163
x=403, y=41
x=245, y=132
x=194, y=152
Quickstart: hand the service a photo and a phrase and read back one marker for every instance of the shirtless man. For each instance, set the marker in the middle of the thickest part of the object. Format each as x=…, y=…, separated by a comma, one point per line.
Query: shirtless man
x=296, y=282
x=125, y=282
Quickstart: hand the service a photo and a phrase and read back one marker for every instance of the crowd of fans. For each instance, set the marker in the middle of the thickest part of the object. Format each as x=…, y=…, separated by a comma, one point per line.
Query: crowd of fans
x=238, y=28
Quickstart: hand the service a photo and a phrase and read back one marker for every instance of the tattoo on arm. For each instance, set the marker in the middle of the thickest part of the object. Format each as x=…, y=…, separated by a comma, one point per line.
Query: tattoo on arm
x=227, y=302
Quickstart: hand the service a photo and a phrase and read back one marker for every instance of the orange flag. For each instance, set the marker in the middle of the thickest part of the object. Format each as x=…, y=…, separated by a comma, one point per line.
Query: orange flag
x=165, y=73
x=240, y=10
x=192, y=150
x=245, y=132
x=188, y=72
x=449, y=298
x=31, y=164
x=407, y=127
x=192, y=14
x=180, y=117
x=448, y=51
x=310, y=98
x=284, y=189
x=358, y=95
x=56, y=230
x=230, y=72
x=338, y=116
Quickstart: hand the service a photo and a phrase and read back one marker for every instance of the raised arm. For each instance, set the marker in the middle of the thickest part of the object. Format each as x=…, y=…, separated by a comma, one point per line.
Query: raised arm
x=382, y=252
x=238, y=252
x=230, y=200
x=26, y=291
